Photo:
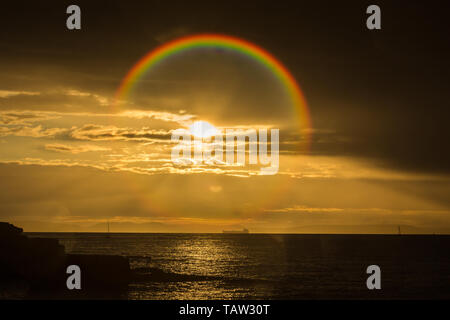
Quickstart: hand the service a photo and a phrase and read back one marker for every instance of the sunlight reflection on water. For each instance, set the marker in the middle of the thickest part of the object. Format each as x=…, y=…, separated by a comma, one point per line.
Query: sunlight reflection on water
x=260, y=266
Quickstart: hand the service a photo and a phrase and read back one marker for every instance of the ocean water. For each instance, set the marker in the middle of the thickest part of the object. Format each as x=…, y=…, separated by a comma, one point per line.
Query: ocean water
x=263, y=266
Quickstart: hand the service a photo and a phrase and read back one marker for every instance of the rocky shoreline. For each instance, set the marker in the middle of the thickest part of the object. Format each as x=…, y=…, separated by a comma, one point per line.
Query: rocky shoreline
x=36, y=267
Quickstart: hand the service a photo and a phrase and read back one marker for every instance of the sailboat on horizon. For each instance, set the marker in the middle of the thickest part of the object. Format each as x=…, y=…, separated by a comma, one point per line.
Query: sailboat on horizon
x=108, y=233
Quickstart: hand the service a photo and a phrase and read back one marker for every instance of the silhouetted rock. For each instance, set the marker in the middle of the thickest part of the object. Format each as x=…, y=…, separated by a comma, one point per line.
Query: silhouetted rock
x=35, y=261
x=41, y=264
x=101, y=271
x=9, y=230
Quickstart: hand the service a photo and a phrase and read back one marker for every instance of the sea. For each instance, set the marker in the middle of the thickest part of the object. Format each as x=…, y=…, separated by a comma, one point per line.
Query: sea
x=276, y=266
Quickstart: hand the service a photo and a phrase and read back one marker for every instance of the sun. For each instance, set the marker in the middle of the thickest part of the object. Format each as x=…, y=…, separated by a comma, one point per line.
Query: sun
x=203, y=129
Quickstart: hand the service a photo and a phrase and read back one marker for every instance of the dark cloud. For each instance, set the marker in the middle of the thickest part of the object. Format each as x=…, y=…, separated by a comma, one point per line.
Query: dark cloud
x=17, y=118
x=56, y=147
x=100, y=133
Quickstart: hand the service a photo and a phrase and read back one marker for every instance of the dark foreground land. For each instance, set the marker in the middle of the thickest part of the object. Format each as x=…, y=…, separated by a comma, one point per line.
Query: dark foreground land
x=268, y=267
x=38, y=267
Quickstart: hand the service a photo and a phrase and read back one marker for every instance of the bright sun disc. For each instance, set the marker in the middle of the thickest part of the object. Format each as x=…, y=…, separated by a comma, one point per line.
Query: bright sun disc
x=203, y=129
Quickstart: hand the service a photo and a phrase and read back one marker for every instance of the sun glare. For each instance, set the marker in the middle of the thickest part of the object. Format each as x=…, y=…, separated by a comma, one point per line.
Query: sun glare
x=203, y=129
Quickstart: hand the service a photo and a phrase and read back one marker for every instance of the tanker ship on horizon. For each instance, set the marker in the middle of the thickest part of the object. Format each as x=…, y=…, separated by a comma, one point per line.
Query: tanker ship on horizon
x=243, y=231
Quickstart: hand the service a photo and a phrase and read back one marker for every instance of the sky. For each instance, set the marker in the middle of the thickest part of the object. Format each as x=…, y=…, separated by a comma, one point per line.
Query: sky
x=72, y=159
